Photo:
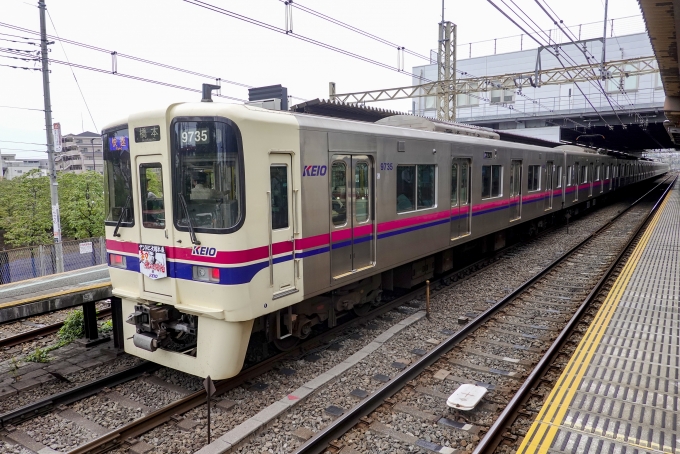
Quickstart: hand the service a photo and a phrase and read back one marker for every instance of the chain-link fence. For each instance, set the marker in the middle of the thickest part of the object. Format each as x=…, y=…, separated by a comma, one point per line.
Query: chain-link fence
x=35, y=261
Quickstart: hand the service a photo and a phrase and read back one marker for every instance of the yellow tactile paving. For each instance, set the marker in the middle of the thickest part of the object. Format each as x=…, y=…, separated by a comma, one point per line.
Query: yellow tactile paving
x=540, y=436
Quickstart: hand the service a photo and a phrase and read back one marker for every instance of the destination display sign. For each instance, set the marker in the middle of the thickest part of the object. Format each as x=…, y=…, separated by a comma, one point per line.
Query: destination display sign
x=148, y=134
x=121, y=143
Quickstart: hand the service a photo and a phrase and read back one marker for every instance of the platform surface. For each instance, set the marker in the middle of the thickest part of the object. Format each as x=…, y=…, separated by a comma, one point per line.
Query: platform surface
x=619, y=392
x=53, y=292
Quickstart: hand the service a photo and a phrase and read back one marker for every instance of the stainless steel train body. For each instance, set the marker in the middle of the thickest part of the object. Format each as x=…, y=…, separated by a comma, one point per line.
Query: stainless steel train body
x=223, y=220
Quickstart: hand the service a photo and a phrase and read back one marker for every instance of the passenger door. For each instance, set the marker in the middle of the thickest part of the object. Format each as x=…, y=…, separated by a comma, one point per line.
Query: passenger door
x=515, y=189
x=460, y=198
x=352, y=221
x=281, y=226
x=591, y=179
x=155, y=235
x=549, y=184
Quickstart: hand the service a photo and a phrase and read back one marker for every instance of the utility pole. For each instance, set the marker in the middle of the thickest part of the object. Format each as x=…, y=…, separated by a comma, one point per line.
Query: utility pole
x=54, y=194
x=603, y=74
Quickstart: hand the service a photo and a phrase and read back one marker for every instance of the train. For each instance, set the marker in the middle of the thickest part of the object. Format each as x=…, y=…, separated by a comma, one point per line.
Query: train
x=228, y=222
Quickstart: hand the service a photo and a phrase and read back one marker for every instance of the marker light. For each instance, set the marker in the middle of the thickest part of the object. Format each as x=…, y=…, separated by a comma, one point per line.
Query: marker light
x=117, y=260
x=206, y=274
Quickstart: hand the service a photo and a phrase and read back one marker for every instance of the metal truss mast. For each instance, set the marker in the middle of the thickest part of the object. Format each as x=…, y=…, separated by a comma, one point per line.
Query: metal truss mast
x=447, y=89
x=446, y=80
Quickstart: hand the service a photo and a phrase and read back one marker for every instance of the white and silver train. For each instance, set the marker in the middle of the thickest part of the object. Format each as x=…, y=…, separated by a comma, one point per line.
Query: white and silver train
x=229, y=220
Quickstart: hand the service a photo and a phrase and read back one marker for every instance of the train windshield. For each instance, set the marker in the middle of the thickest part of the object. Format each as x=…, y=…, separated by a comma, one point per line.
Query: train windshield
x=207, y=173
x=118, y=178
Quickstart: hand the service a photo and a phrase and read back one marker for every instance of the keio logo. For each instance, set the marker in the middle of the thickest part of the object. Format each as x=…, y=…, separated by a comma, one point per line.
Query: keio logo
x=314, y=171
x=204, y=251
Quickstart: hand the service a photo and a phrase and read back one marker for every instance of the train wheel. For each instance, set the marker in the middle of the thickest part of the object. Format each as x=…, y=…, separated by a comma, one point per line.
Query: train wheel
x=362, y=309
x=286, y=344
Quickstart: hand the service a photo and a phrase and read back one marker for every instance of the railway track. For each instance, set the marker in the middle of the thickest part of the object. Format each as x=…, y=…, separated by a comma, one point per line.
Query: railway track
x=192, y=400
x=46, y=330
x=156, y=417
x=514, y=339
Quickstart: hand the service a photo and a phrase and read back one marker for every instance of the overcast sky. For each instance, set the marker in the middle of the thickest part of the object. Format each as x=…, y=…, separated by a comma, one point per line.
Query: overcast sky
x=177, y=33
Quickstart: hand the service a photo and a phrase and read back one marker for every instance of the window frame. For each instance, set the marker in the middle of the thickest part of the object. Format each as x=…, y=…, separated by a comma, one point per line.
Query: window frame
x=131, y=210
x=559, y=178
x=241, y=174
x=500, y=184
x=415, y=188
x=537, y=172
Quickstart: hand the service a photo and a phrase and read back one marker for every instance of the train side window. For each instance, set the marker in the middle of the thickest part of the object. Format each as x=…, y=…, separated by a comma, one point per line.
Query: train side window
x=491, y=181
x=151, y=190
x=361, y=189
x=559, y=177
x=584, y=174
x=454, y=184
x=278, y=178
x=426, y=186
x=406, y=200
x=534, y=183
x=416, y=187
x=464, y=176
x=597, y=173
x=570, y=176
x=339, y=193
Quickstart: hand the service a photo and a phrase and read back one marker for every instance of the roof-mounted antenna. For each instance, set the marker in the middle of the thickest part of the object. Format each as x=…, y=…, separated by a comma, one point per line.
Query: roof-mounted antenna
x=207, y=92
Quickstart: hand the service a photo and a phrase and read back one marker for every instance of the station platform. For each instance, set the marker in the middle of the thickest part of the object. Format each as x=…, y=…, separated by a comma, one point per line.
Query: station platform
x=620, y=391
x=56, y=291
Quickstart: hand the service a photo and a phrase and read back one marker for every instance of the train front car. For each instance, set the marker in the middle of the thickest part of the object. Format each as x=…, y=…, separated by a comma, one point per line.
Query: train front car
x=190, y=250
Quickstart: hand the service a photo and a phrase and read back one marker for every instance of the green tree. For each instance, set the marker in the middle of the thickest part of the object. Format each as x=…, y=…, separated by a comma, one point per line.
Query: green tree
x=27, y=214
x=81, y=202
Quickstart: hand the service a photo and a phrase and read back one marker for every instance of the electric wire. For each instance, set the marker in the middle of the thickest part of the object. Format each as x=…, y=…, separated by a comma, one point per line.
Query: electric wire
x=137, y=78
x=21, y=67
x=549, y=51
x=22, y=108
x=551, y=42
x=573, y=39
x=352, y=28
x=24, y=143
x=127, y=56
x=82, y=95
x=270, y=27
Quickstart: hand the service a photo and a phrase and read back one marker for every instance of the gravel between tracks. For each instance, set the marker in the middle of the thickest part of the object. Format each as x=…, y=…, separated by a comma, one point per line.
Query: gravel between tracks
x=469, y=298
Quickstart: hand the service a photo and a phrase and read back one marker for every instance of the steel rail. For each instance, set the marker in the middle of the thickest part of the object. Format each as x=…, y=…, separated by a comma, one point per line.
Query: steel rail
x=322, y=439
x=142, y=425
x=75, y=394
x=133, y=429
x=42, y=331
x=493, y=436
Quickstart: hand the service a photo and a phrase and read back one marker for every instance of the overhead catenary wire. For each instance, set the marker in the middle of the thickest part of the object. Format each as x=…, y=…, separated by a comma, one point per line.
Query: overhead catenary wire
x=551, y=42
x=127, y=56
x=137, y=78
x=21, y=67
x=24, y=143
x=549, y=51
x=21, y=108
x=573, y=38
x=585, y=53
x=347, y=26
x=274, y=28
x=82, y=95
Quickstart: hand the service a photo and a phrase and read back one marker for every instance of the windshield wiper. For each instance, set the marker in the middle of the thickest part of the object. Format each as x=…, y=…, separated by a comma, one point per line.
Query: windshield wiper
x=191, y=226
x=122, y=213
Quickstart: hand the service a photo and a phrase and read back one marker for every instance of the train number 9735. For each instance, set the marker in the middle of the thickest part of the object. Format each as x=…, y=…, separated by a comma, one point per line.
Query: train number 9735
x=386, y=166
x=199, y=136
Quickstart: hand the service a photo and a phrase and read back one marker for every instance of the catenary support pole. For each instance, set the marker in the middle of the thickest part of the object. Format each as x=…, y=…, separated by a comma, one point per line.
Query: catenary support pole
x=603, y=74
x=54, y=195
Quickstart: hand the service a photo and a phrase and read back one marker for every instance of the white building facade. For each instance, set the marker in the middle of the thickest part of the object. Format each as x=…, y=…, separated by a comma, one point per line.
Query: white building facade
x=551, y=107
x=11, y=167
x=80, y=153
